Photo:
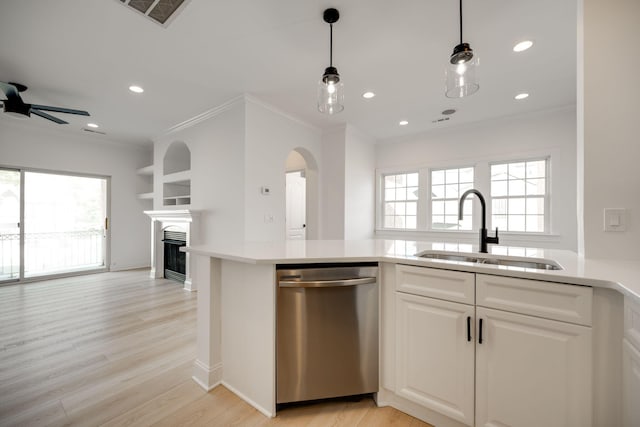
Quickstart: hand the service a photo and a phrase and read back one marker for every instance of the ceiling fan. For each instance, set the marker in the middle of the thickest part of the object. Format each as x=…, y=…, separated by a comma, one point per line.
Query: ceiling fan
x=16, y=106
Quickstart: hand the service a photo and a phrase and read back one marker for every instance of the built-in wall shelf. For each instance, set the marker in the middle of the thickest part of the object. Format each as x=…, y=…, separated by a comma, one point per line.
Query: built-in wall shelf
x=146, y=184
x=176, y=175
x=177, y=201
x=176, y=192
x=147, y=170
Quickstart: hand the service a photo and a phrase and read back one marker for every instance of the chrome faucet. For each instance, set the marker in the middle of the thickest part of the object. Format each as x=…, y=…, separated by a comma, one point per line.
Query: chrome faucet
x=484, y=239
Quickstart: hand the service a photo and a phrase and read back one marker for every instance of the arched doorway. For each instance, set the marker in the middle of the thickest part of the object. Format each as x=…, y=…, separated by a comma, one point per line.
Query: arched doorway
x=301, y=195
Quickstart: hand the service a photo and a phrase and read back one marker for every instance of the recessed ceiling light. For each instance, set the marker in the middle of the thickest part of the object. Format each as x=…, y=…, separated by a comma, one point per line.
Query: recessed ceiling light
x=92, y=125
x=522, y=46
x=522, y=96
x=403, y=123
x=136, y=89
x=368, y=95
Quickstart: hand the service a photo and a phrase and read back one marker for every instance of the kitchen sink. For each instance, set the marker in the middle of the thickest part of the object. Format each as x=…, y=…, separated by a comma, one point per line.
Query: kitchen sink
x=499, y=260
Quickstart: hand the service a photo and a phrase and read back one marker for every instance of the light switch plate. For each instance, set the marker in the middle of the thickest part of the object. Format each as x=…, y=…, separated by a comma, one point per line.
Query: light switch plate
x=615, y=219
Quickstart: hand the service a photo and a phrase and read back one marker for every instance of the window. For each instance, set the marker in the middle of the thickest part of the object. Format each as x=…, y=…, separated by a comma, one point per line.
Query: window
x=51, y=223
x=447, y=185
x=519, y=196
x=516, y=194
x=400, y=200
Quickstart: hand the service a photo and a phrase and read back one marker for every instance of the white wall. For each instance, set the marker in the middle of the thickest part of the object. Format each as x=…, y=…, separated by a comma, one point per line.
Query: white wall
x=518, y=137
x=217, y=172
x=609, y=112
x=333, y=189
x=27, y=146
x=236, y=149
x=359, y=184
x=348, y=185
x=270, y=136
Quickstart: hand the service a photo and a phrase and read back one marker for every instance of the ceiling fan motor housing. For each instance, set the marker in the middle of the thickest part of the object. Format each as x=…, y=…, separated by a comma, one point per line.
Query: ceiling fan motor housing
x=16, y=106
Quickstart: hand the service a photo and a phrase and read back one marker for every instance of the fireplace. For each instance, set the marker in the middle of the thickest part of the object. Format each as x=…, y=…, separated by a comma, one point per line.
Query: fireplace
x=166, y=258
x=174, y=260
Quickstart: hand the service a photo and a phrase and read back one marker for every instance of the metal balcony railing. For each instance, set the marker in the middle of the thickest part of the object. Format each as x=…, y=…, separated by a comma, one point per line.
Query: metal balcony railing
x=52, y=252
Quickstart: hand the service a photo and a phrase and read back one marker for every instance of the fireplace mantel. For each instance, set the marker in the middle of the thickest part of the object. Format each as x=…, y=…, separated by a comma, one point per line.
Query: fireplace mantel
x=185, y=220
x=183, y=215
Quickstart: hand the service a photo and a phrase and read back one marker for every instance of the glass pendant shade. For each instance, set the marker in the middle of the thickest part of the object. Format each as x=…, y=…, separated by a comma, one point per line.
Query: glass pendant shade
x=330, y=87
x=461, y=72
x=330, y=92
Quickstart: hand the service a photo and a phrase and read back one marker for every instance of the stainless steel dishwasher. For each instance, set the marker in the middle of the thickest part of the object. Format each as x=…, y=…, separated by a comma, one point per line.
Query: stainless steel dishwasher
x=327, y=331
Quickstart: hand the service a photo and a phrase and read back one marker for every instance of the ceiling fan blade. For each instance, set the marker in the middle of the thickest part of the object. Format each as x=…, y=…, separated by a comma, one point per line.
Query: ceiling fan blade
x=8, y=89
x=48, y=117
x=59, y=109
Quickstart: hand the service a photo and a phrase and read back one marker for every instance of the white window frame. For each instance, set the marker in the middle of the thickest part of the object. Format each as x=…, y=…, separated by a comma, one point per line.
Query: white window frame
x=429, y=201
x=546, y=198
x=382, y=199
x=481, y=182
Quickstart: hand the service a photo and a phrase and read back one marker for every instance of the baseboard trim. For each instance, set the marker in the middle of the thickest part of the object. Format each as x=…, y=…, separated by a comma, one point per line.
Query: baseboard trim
x=249, y=401
x=129, y=267
x=188, y=286
x=387, y=398
x=206, y=377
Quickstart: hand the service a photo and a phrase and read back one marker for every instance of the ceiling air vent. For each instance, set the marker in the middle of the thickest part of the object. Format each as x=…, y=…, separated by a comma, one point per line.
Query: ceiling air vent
x=159, y=11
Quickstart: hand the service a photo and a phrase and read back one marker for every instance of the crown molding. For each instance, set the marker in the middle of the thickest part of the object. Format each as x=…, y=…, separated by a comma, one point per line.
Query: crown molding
x=257, y=101
x=206, y=115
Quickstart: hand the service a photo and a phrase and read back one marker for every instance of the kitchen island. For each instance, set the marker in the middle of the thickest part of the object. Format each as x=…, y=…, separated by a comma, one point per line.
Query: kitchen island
x=237, y=301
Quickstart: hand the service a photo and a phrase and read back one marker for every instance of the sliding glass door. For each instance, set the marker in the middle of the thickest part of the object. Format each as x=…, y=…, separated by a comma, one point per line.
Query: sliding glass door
x=9, y=224
x=63, y=227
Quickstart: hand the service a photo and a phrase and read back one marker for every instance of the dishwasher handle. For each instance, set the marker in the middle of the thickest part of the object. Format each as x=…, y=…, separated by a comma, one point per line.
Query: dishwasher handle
x=326, y=283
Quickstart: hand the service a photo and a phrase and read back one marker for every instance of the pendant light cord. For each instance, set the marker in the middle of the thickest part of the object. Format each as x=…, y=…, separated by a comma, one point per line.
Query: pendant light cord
x=460, y=21
x=331, y=44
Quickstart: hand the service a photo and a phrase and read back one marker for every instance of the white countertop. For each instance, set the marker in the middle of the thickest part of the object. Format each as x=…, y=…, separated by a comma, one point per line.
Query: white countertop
x=623, y=276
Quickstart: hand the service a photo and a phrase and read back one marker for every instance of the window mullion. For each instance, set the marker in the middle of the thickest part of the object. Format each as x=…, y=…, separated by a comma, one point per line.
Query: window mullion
x=424, y=200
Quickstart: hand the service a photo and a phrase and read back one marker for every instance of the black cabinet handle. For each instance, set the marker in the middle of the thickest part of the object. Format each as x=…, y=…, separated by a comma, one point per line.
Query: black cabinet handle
x=480, y=333
x=468, y=328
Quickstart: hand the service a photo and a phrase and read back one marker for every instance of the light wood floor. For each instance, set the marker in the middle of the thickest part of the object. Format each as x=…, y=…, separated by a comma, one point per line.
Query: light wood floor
x=117, y=349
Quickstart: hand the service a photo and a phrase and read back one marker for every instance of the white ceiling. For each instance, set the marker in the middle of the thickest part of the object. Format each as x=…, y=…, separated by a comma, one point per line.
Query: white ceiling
x=84, y=54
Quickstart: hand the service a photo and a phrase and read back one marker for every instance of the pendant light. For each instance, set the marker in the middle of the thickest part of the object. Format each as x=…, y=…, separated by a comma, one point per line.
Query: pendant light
x=461, y=69
x=330, y=88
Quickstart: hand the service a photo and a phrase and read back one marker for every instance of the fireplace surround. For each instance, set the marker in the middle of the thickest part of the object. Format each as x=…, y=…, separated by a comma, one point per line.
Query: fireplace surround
x=172, y=221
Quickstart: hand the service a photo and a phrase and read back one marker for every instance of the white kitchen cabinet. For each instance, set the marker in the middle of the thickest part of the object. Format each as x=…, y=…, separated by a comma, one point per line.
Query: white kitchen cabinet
x=630, y=384
x=531, y=371
x=631, y=364
x=454, y=286
x=530, y=368
x=434, y=355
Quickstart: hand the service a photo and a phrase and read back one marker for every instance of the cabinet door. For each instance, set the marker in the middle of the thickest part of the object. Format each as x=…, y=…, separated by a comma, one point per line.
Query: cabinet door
x=434, y=358
x=531, y=371
x=631, y=384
